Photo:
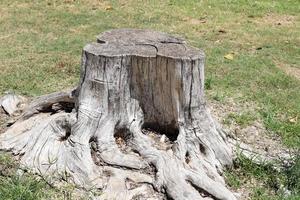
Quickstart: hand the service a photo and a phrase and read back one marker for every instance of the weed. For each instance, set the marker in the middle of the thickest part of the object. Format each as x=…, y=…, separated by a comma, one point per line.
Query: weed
x=208, y=83
x=242, y=119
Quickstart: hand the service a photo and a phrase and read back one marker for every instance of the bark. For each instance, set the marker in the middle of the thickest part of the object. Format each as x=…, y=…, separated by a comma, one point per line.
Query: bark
x=139, y=127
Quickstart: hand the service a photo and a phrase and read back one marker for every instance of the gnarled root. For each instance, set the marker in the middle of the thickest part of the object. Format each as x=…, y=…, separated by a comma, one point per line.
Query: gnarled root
x=48, y=146
x=45, y=103
x=193, y=176
x=58, y=145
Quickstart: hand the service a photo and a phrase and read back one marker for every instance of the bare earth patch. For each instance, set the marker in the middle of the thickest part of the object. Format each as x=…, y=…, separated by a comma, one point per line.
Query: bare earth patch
x=194, y=21
x=255, y=135
x=291, y=71
x=273, y=19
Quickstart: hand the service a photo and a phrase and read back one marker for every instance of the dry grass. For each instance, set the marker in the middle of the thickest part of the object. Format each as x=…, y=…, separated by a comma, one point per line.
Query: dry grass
x=273, y=19
x=291, y=71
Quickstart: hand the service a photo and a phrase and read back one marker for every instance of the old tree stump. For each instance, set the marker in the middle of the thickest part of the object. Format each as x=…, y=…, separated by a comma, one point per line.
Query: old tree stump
x=136, y=127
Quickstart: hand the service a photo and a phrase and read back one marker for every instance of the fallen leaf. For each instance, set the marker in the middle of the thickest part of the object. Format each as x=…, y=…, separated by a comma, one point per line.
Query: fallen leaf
x=293, y=120
x=108, y=8
x=229, y=56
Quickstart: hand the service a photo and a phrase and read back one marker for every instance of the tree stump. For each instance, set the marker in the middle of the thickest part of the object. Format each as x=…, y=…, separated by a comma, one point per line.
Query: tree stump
x=136, y=127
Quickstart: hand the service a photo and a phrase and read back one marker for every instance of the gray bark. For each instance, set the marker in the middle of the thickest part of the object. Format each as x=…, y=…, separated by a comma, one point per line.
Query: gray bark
x=140, y=128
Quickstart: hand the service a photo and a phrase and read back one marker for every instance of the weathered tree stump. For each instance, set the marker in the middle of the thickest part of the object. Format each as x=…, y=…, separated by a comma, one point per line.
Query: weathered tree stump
x=136, y=127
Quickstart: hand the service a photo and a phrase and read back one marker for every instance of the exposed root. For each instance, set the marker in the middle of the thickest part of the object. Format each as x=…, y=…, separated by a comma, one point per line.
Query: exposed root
x=175, y=176
x=109, y=151
x=47, y=147
x=44, y=103
x=277, y=163
x=128, y=185
x=59, y=145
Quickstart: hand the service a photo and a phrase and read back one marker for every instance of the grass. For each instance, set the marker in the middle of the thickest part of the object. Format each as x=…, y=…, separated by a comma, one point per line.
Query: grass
x=15, y=184
x=265, y=182
x=242, y=119
x=19, y=187
x=41, y=43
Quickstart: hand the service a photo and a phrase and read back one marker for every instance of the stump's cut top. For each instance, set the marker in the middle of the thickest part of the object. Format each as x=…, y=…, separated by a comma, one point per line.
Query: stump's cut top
x=142, y=42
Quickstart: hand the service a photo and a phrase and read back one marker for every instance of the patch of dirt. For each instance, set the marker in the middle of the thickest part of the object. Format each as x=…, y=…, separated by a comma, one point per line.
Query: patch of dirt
x=246, y=190
x=273, y=19
x=291, y=71
x=161, y=141
x=255, y=135
x=194, y=21
x=4, y=13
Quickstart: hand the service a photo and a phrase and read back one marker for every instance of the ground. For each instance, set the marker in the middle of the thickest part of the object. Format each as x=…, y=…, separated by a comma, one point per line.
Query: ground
x=252, y=64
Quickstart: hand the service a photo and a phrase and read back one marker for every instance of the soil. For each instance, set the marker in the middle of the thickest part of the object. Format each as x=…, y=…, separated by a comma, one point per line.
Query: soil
x=273, y=19
x=289, y=70
x=254, y=135
x=193, y=21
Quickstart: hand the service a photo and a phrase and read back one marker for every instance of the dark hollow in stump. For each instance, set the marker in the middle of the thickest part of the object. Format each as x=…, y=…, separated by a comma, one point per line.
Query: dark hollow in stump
x=139, y=128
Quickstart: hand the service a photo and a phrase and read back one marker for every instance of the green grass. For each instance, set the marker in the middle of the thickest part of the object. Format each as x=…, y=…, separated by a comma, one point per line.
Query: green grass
x=269, y=183
x=24, y=187
x=242, y=119
x=19, y=187
x=17, y=184
x=41, y=43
